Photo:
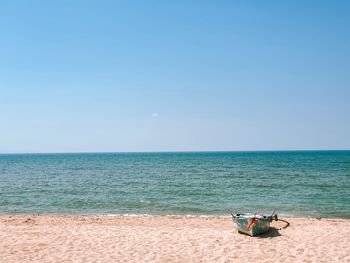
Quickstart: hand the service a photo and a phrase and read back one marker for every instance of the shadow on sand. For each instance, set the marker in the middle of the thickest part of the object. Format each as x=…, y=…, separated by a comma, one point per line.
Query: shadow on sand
x=273, y=232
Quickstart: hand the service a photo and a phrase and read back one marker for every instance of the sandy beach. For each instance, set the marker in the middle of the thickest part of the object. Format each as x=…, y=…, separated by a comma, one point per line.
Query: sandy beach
x=62, y=238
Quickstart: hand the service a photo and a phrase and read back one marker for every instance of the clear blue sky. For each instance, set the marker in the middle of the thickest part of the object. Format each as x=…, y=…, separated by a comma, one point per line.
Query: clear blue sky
x=174, y=75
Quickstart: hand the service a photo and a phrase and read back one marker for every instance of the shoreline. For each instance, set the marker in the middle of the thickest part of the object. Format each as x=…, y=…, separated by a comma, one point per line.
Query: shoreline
x=168, y=238
x=161, y=215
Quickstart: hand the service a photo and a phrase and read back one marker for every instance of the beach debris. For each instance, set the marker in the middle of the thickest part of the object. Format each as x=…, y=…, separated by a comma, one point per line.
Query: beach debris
x=29, y=221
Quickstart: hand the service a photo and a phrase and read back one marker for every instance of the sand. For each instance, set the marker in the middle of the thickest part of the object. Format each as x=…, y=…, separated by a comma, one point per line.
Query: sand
x=44, y=238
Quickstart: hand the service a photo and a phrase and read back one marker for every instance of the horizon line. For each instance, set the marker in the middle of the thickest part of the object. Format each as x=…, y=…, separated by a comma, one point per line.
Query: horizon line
x=180, y=151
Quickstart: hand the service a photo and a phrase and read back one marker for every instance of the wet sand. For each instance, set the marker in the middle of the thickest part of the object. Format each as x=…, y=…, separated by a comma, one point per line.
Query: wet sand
x=60, y=238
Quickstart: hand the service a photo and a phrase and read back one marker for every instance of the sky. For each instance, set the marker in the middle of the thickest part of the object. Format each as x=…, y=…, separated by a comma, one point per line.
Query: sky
x=102, y=76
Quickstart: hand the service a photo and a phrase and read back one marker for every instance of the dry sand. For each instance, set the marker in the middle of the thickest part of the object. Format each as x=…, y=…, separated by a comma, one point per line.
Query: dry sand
x=168, y=239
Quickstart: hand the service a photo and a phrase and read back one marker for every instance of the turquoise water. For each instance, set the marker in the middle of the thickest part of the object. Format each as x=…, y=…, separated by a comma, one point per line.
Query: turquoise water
x=306, y=183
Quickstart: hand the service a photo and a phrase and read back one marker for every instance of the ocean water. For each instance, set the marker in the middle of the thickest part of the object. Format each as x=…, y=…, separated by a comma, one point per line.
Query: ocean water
x=299, y=183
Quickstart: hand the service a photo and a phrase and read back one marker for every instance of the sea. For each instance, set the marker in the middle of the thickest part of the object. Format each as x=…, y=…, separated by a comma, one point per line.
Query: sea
x=292, y=183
